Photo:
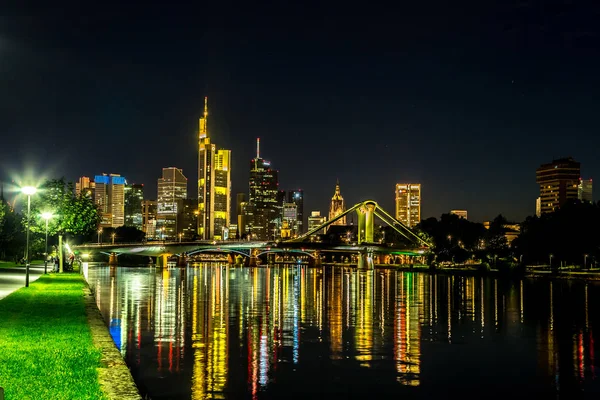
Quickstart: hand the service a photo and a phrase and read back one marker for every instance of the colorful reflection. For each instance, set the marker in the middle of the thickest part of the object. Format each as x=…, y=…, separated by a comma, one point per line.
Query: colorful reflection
x=215, y=331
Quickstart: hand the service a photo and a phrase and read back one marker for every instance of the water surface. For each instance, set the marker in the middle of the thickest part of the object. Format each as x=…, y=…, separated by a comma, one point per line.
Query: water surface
x=218, y=332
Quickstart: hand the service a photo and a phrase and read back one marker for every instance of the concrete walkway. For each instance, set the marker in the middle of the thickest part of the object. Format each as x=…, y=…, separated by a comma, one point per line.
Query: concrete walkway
x=13, y=278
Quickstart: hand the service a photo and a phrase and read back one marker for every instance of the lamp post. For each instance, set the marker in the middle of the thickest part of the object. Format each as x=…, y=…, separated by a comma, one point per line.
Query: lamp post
x=46, y=216
x=113, y=237
x=551, y=255
x=585, y=260
x=99, y=233
x=180, y=235
x=29, y=191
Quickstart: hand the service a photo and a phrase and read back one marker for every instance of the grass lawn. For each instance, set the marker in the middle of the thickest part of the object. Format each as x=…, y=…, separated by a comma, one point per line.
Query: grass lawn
x=46, y=349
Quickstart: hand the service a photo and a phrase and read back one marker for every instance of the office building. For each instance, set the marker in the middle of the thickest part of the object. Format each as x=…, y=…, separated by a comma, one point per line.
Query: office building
x=289, y=218
x=297, y=197
x=187, y=219
x=408, y=203
x=559, y=182
x=134, y=195
x=214, y=184
x=109, y=196
x=149, y=218
x=172, y=187
x=460, y=213
x=263, y=198
x=337, y=206
x=584, y=190
x=86, y=186
x=315, y=220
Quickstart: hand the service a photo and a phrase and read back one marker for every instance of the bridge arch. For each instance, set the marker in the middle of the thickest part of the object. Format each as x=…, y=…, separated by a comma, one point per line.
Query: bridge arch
x=218, y=251
x=272, y=251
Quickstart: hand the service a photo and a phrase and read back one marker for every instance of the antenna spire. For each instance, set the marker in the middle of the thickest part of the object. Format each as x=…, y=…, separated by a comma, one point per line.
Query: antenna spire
x=202, y=131
x=257, y=147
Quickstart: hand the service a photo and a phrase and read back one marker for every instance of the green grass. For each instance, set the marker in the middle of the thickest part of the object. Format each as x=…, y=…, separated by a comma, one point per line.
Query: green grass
x=46, y=348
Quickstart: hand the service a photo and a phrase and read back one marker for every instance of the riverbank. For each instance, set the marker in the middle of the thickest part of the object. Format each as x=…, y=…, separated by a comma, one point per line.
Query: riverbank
x=47, y=347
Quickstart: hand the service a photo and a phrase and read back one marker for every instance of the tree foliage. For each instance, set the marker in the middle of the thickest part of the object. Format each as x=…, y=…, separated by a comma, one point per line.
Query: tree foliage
x=73, y=214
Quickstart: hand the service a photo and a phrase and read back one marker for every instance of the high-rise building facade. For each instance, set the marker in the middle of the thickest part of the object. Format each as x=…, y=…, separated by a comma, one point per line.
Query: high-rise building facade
x=134, y=195
x=109, y=196
x=263, y=198
x=559, y=182
x=187, y=219
x=297, y=197
x=538, y=207
x=315, y=220
x=337, y=206
x=214, y=184
x=460, y=213
x=408, y=203
x=172, y=187
x=86, y=186
x=584, y=190
x=149, y=218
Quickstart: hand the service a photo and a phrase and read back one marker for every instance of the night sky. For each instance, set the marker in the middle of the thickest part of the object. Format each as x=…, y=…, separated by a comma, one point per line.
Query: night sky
x=466, y=101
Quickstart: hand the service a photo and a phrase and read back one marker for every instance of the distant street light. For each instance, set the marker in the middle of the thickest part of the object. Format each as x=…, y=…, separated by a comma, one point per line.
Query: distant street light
x=46, y=216
x=99, y=233
x=180, y=235
x=585, y=260
x=113, y=237
x=29, y=191
x=551, y=255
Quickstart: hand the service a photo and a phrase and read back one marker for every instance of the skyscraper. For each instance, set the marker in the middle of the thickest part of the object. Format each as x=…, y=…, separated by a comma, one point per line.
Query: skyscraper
x=337, y=206
x=262, y=199
x=214, y=184
x=559, y=182
x=584, y=190
x=149, y=218
x=109, y=196
x=297, y=197
x=134, y=195
x=408, y=203
x=187, y=218
x=172, y=186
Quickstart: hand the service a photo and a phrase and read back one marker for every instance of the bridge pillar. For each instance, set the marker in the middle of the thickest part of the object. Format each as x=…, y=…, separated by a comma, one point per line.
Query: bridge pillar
x=230, y=259
x=365, y=260
x=112, y=259
x=366, y=222
x=182, y=261
x=316, y=261
x=239, y=260
x=162, y=260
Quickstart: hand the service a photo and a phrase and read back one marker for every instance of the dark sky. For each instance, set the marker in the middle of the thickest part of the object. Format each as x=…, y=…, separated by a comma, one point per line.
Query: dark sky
x=467, y=101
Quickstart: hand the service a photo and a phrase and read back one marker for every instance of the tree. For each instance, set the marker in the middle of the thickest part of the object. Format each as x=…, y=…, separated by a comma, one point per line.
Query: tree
x=72, y=215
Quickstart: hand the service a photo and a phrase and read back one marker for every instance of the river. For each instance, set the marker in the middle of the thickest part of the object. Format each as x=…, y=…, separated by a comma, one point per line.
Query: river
x=217, y=332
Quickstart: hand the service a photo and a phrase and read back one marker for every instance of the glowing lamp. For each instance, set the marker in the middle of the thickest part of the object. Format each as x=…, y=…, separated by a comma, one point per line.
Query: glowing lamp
x=28, y=190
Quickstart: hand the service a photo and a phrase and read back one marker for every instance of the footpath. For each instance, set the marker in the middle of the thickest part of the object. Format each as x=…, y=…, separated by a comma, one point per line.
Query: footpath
x=13, y=277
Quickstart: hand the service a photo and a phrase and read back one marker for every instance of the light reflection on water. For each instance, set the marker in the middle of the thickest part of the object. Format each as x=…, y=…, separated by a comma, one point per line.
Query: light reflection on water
x=222, y=332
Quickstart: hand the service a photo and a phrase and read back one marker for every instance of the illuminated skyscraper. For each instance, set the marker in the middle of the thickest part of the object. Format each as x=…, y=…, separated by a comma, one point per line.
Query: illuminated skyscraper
x=408, y=203
x=263, y=196
x=134, y=195
x=559, y=182
x=584, y=190
x=315, y=219
x=337, y=206
x=297, y=197
x=171, y=188
x=214, y=185
x=149, y=218
x=109, y=196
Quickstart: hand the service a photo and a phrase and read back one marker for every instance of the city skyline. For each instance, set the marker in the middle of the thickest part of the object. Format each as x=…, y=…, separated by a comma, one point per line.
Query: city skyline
x=479, y=109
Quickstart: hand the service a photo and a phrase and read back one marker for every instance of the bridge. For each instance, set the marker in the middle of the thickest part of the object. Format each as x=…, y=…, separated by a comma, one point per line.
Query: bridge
x=365, y=252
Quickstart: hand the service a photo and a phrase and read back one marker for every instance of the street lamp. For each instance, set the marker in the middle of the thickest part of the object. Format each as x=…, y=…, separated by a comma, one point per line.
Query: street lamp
x=551, y=255
x=180, y=235
x=585, y=260
x=29, y=191
x=99, y=233
x=46, y=215
x=113, y=237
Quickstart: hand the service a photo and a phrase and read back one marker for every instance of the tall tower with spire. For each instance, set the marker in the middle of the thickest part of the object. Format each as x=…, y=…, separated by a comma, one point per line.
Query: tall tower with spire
x=263, y=198
x=214, y=184
x=337, y=206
